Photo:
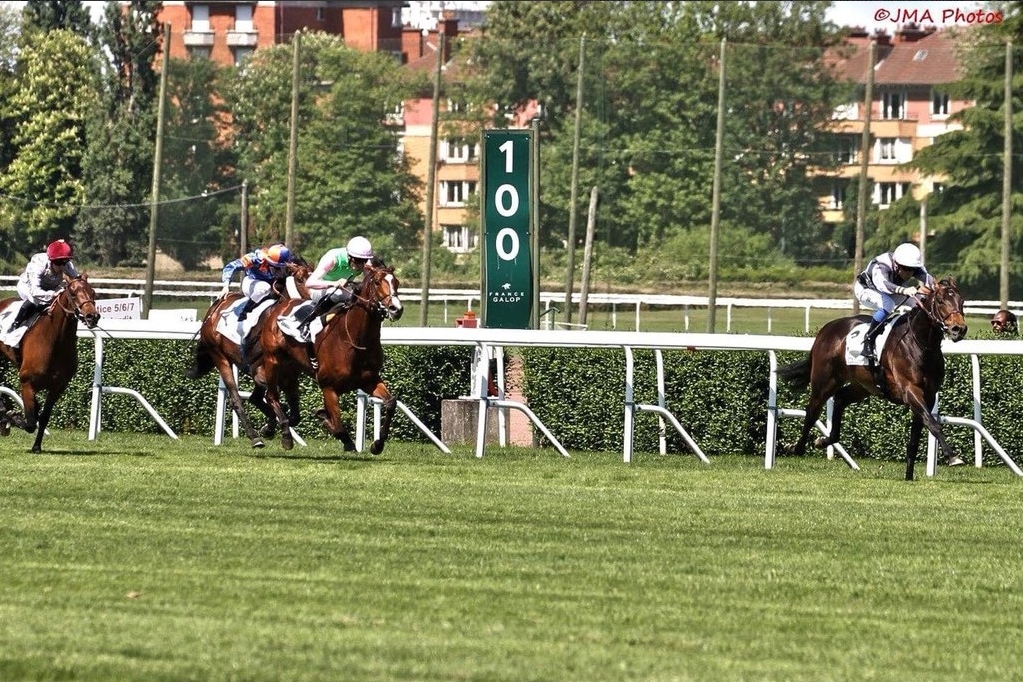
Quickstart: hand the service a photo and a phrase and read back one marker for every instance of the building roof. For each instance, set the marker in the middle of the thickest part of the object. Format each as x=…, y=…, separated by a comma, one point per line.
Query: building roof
x=916, y=56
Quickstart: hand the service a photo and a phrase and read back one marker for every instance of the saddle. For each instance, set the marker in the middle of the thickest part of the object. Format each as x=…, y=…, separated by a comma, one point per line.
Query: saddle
x=7, y=317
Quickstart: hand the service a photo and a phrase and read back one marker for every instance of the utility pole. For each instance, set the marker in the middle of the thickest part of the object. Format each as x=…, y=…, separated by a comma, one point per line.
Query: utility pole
x=431, y=181
x=154, y=201
x=861, y=198
x=1003, y=277
x=243, y=236
x=570, y=276
x=289, y=225
x=591, y=227
x=715, y=216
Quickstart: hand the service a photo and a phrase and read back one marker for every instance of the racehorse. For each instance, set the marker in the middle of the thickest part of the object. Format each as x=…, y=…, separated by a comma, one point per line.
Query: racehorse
x=214, y=350
x=911, y=369
x=47, y=356
x=348, y=355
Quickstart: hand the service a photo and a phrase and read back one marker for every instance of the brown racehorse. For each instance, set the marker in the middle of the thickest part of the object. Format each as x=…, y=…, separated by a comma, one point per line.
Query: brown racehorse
x=215, y=350
x=47, y=357
x=348, y=352
x=911, y=365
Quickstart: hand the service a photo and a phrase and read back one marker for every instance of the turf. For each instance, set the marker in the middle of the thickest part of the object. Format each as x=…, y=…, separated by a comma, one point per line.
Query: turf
x=137, y=557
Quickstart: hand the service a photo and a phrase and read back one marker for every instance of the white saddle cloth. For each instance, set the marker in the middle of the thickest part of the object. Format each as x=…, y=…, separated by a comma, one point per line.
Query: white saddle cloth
x=854, y=342
x=7, y=337
x=230, y=327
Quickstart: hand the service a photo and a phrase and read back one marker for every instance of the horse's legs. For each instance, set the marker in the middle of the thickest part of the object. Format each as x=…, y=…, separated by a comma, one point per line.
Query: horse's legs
x=238, y=405
x=383, y=393
x=52, y=396
x=258, y=398
x=5, y=420
x=331, y=417
x=916, y=428
x=273, y=399
x=28, y=419
x=921, y=406
x=846, y=396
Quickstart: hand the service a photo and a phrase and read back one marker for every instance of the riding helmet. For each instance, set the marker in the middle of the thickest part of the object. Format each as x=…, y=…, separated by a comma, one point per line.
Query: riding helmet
x=58, y=250
x=359, y=247
x=278, y=254
x=908, y=256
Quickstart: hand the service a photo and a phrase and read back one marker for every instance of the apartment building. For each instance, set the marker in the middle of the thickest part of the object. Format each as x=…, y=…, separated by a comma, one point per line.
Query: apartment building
x=227, y=32
x=910, y=108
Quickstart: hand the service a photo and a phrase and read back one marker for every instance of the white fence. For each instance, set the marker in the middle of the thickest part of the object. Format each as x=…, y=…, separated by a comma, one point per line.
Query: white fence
x=488, y=342
x=457, y=301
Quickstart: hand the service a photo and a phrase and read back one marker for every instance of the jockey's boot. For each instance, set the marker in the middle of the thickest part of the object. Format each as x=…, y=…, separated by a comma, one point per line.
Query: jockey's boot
x=28, y=309
x=870, y=338
x=249, y=305
x=319, y=307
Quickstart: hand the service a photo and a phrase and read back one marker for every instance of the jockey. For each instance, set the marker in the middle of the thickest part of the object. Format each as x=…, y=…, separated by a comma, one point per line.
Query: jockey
x=335, y=269
x=1004, y=322
x=261, y=268
x=884, y=277
x=43, y=279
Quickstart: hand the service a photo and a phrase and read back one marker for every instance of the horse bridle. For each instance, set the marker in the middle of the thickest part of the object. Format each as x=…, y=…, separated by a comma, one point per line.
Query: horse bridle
x=929, y=311
x=76, y=307
x=376, y=308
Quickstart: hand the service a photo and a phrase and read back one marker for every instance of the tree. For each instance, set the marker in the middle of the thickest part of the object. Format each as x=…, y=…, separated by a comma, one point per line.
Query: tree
x=651, y=106
x=351, y=178
x=56, y=91
x=51, y=15
x=118, y=165
x=966, y=216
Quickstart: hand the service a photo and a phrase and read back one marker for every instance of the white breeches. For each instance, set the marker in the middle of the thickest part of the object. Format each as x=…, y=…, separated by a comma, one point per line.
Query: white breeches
x=255, y=289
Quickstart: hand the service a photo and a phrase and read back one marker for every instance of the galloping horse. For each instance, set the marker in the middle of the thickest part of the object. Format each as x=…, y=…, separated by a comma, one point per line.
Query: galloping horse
x=214, y=350
x=912, y=368
x=47, y=357
x=348, y=354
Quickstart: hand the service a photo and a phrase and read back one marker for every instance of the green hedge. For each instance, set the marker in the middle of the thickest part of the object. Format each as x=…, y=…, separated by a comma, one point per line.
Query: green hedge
x=720, y=397
x=419, y=376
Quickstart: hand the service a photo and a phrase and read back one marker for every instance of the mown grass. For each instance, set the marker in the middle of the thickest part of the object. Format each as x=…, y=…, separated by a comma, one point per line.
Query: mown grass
x=142, y=558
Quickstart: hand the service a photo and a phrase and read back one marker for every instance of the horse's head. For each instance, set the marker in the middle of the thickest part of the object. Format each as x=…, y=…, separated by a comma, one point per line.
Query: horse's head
x=380, y=289
x=82, y=297
x=944, y=305
x=292, y=282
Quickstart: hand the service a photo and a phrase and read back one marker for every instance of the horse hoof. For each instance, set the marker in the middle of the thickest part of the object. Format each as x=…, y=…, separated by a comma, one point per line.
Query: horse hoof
x=36, y=449
x=268, y=431
x=287, y=443
x=377, y=447
x=821, y=442
x=956, y=461
x=5, y=428
x=257, y=443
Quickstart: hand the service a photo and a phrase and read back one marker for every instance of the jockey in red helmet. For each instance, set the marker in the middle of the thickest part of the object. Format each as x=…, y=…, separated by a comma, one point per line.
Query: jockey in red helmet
x=44, y=278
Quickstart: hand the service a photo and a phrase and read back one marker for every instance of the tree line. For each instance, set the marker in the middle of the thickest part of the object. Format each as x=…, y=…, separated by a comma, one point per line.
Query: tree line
x=78, y=112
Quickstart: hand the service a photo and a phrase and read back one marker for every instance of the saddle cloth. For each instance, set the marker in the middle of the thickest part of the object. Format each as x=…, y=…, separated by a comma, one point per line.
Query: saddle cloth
x=230, y=327
x=854, y=341
x=7, y=337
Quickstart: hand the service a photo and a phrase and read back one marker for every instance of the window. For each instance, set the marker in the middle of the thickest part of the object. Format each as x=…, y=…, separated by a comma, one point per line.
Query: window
x=456, y=192
x=396, y=17
x=243, y=18
x=241, y=54
x=892, y=105
x=939, y=103
x=199, y=51
x=890, y=192
x=459, y=238
x=201, y=18
x=320, y=14
x=838, y=194
x=848, y=146
x=886, y=150
x=458, y=151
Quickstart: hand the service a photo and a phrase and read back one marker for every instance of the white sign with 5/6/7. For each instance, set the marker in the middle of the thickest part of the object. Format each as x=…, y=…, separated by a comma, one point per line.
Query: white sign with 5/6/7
x=120, y=308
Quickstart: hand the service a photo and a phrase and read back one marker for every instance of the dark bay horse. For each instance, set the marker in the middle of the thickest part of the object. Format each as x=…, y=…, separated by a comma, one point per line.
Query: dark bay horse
x=912, y=368
x=216, y=351
x=347, y=350
x=47, y=357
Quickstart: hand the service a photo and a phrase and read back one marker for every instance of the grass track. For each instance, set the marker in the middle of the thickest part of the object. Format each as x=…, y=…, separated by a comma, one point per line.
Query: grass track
x=142, y=558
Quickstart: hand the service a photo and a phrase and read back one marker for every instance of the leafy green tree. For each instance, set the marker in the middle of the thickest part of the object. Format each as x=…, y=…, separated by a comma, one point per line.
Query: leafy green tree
x=10, y=24
x=56, y=91
x=118, y=167
x=650, y=107
x=51, y=15
x=350, y=177
x=189, y=228
x=966, y=216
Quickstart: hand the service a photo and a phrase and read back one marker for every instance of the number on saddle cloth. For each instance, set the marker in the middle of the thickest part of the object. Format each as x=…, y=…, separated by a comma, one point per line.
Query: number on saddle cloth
x=854, y=340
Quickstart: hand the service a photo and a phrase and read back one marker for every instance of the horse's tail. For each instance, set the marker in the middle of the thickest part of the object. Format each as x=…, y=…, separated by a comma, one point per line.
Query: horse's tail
x=202, y=361
x=797, y=373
